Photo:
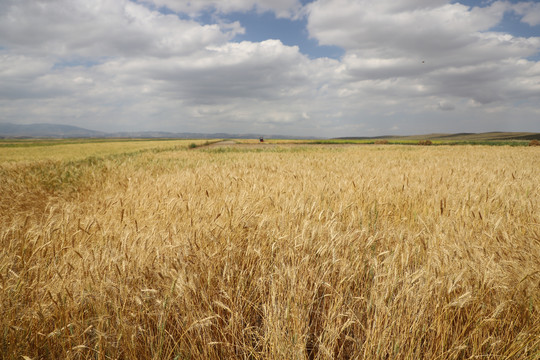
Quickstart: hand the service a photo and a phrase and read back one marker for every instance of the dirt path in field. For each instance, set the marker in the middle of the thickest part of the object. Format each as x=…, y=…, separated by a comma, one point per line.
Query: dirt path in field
x=223, y=143
x=256, y=144
x=232, y=143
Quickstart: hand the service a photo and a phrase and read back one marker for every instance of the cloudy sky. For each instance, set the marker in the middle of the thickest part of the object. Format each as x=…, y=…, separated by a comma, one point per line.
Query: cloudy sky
x=296, y=67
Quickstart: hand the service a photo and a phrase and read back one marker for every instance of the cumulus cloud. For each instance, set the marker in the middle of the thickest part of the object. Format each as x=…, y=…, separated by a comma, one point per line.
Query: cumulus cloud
x=529, y=11
x=442, y=47
x=446, y=106
x=266, y=70
x=102, y=28
x=26, y=77
x=120, y=65
x=383, y=30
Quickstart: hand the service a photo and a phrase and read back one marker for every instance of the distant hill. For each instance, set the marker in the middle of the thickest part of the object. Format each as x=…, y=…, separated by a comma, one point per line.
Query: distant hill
x=487, y=136
x=8, y=130
x=46, y=131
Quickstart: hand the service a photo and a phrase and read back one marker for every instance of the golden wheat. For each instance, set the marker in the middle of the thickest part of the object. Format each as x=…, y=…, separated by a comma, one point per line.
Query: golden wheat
x=282, y=252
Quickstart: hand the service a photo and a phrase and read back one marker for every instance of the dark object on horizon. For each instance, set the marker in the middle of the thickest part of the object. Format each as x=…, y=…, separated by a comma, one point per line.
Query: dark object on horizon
x=261, y=139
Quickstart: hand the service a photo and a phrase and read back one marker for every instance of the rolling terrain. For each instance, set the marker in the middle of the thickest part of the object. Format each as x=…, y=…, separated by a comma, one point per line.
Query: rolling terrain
x=37, y=131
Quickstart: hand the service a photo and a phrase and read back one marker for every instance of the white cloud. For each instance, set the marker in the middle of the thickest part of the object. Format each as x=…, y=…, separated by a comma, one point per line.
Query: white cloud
x=102, y=28
x=267, y=70
x=81, y=80
x=25, y=77
x=530, y=12
x=446, y=106
x=424, y=48
x=119, y=65
x=382, y=29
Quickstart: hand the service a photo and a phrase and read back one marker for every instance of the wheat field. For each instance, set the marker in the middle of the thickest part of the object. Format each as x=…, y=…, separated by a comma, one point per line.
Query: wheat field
x=272, y=252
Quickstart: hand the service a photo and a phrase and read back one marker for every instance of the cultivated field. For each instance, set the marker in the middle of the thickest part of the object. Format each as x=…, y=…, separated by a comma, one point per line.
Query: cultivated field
x=270, y=252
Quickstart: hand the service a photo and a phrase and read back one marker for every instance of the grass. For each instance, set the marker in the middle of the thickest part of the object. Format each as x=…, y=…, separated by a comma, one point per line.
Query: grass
x=396, y=141
x=53, y=142
x=435, y=142
x=474, y=138
x=379, y=252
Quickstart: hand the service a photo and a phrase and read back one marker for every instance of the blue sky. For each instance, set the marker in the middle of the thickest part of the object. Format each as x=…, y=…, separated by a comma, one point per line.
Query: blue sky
x=320, y=68
x=263, y=26
x=511, y=23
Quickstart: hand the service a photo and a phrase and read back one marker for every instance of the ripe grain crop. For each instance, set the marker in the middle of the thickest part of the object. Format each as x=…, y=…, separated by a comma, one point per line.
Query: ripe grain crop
x=307, y=252
x=75, y=150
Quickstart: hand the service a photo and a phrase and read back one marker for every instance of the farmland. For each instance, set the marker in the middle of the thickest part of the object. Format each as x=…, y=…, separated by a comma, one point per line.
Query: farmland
x=162, y=250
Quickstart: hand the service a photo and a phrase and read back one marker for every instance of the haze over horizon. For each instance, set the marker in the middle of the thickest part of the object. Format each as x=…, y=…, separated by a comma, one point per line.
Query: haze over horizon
x=325, y=68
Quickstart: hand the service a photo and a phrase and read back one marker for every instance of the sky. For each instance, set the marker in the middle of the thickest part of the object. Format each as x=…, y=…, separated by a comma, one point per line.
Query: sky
x=324, y=68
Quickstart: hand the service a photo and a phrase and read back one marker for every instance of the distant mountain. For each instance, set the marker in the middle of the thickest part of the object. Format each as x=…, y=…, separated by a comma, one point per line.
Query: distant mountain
x=189, y=135
x=46, y=131
x=8, y=130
